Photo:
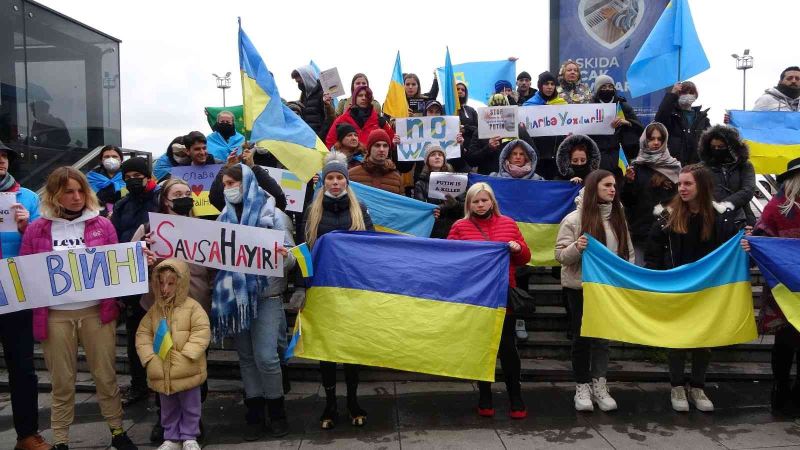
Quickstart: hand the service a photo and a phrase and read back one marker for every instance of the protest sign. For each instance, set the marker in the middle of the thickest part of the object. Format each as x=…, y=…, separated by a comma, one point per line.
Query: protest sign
x=560, y=120
x=72, y=276
x=416, y=133
x=446, y=183
x=219, y=245
x=331, y=82
x=417, y=105
x=200, y=179
x=293, y=188
x=497, y=121
x=7, y=222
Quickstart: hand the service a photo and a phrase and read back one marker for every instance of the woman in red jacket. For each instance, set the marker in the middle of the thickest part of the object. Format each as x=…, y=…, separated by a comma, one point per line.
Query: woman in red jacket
x=482, y=222
x=362, y=116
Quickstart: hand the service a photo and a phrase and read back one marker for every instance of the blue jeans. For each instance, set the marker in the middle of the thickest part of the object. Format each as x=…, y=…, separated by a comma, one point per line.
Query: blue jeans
x=261, y=349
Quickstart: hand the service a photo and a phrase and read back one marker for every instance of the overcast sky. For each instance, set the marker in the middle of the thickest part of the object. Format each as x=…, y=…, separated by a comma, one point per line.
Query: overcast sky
x=170, y=48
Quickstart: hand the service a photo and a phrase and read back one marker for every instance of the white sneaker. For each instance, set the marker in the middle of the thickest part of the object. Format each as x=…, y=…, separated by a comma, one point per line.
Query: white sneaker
x=583, y=397
x=699, y=400
x=601, y=396
x=678, y=398
x=170, y=445
x=522, y=333
x=191, y=445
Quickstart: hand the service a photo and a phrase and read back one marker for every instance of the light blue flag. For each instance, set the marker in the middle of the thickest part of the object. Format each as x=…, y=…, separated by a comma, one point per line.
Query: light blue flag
x=451, y=103
x=671, y=53
x=481, y=76
x=393, y=213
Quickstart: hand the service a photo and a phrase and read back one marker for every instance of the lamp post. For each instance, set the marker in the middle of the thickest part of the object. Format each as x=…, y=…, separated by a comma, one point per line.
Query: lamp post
x=743, y=63
x=109, y=83
x=223, y=83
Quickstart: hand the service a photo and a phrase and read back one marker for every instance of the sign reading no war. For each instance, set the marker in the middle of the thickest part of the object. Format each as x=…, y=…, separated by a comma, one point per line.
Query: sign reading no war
x=417, y=133
x=560, y=120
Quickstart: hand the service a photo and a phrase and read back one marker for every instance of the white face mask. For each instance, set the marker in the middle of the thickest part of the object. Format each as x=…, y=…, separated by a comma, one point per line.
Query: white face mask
x=686, y=99
x=233, y=195
x=111, y=164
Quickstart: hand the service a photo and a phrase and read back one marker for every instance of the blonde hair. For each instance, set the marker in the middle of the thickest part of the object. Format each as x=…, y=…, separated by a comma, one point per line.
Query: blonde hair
x=476, y=189
x=315, y=215
x=791, y=190
x=56, y=185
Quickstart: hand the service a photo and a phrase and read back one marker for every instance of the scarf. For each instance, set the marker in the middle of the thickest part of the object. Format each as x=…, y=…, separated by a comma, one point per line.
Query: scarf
x=517, y=171
x=7, y=183
x=361, y=115
x=99, y=181
x=235, y=295
x=659, y=160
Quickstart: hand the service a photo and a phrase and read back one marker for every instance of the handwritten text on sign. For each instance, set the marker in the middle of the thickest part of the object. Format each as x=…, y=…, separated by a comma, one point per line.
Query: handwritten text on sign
x=417, y=133
x=497, y=121
x=7, y=222
x=442, y=184
x=559, y=120
x=200, y=179
x=293, y=188
x=224, y=246
x=72, y=276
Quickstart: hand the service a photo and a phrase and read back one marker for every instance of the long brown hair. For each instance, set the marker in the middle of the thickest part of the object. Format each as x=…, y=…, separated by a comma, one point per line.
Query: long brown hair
x=592, y=219
x=679, y=212
x=57, y=184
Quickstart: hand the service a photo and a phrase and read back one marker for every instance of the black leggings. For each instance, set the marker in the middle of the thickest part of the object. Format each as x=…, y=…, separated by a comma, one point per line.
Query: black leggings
x=328, y=371
x=509, y=359
x=786, y=346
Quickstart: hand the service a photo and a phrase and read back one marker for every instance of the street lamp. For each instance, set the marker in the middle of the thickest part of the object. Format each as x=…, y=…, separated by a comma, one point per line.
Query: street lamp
x=743, y=63
x=109, y=83
x=223, y=83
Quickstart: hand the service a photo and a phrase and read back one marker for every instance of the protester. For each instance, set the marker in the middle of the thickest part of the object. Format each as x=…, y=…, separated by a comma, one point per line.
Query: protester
x=416, y=99
x=547, y=146
x=378, y=170
x=504, y=88
x=216, y=193
x=626, y=130
x=362, y=116
x=652, y=181
x=600, y=215
x=483, y=153
x=524, y=89
x=483, y=222
x=317, y=110
x=468, y=116
x=689, y=228
x=16, y=328
x=448, y=210
x=576, y=158
x=547, y=93
x=727, y=156
x=225, y=138
x=250, y=307
x=71, y=220
x=359, y=79
x=783, y=97
x=176, y=155
x=106, y=179
x=178, y=373
x=685, y=123
x=517, y=160
x=570, y=88
x=337, y=208
x=348, y=144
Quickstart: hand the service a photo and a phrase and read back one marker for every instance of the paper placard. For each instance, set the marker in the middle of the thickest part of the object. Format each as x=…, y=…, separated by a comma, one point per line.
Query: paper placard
x=442, y=184
x=219, y=245
x=7, y=221
x=560, y=120
x=331, y=83
x=293, y=188
x=497, y=121
x=416, y=133
x=200, y=179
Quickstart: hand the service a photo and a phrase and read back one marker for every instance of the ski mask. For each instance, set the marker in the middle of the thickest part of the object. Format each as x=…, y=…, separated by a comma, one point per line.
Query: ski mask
x=182, y=205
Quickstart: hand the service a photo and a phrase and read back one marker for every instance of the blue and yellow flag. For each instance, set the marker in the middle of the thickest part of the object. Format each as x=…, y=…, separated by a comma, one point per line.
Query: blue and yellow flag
x=303, y=257
x=537, y=207
x=162, y=341
x=480, y=76
x=451, y=102
x=396, y=103
x=271, y=123
x=779, y=263
x=439, y=312
x=622, y=160
x=772, y=136
x=393, y=213
x=672, y=52
x=707, y=303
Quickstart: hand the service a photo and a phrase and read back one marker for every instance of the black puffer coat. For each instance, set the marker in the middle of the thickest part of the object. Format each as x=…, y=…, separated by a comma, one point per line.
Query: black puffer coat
x=132, y=212
x=449, y=211
x=641, y=198
x=626, y=136
x=315, y=112
x=563, y=155
x=336, y=215
x=683, y=138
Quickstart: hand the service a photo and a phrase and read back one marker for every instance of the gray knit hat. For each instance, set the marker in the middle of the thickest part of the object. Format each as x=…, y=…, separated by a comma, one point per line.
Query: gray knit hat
x=601, y=80
x=336, y=162
x=433, y=148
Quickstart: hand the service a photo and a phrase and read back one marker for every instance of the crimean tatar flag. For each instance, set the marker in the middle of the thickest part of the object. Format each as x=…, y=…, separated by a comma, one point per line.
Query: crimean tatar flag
x=396, y=104
x=271, y=123
x=779, y=263
x=162, y=341
x=439, y=312
x=707, y=303
x=772, y=136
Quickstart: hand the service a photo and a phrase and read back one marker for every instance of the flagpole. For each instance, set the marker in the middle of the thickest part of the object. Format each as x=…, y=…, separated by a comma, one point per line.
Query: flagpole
x=679, y=64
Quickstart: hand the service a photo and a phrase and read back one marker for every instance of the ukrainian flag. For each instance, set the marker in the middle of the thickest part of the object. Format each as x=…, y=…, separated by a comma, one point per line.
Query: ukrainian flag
x=162, y=342
x=778, y=260
x=303, y=257
x=271, y=123
x=622, y=160
x=772, y=136
x=451, y=103
x=394, y=213
x=537, y=207
x=396, y=104
x=439, y=311
x=707, y=303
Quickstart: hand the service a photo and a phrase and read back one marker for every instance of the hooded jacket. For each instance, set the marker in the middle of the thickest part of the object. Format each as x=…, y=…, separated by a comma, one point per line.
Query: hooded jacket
x=384, y=177
x=315, y=112
x=373, y=123
x=775, y=100
x=563, y=157
x=683, y=137
x=184, y=367
x=502, y=172
x=469, y=120
x=734, y=182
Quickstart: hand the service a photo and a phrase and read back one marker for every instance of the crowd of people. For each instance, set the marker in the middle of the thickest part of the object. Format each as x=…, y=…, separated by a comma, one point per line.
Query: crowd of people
x=687, y=190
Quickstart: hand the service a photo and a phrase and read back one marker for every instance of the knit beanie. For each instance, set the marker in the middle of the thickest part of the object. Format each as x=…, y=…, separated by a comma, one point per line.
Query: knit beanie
x=600, y=81
x=343, y=129
x=336, y=162
x=544, y=77
x=433, y=149
x=500, y=85
x=135, y=164
x=377, y=136
x=523, y=76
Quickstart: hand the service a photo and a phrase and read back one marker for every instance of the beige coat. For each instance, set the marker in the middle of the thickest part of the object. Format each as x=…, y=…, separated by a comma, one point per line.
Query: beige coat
x=185, y=366
x=567, y=251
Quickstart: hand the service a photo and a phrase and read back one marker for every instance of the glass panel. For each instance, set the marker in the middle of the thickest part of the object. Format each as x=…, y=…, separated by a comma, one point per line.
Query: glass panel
x=13, y=114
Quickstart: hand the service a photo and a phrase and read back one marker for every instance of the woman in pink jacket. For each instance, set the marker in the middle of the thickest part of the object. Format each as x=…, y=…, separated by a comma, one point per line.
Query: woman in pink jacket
x=70, y=219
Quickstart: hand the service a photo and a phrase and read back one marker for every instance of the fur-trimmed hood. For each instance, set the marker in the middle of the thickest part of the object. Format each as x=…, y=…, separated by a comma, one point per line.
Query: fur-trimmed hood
x=506, y=152
x=721, y=207
x=562, y=155
x=730, y=135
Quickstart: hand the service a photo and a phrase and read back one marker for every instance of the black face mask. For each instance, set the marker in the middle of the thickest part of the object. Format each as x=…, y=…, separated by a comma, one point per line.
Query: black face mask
x=485, y=215
x=605, y=96
x=721, y=156
x=791, y=92
x=135, y=186
x=182, y=205
x=70, y=214
x=580, y=170
x=226, y=129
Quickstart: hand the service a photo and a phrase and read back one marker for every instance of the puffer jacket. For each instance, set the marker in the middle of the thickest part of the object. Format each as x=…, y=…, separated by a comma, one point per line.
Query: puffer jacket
x=184, y=367
x=132, y=212
x=336, y=215
x=567, y=252
x=10, y=240
x=372, y=123
x=449, y=210
x=683, y=137
x=775, y=100
x=384, y=177
x=506, y=153
x=563, y=154
x=316, y=113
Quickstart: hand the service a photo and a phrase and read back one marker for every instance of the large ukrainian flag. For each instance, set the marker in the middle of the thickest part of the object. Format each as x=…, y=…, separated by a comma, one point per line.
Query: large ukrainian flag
x=779, y=261
x=423, y=305
x=537, y=207
x=707, y=303
x=392, y=213
x=271, y=123
x=772, y=136
x=396, y=104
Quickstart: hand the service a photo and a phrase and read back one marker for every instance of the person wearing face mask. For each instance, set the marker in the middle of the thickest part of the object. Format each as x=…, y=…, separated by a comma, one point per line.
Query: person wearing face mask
x=547, y=146
x=216, y=193
x=651, y=182
x=728, y=158
x=317, y=106
x=249, y=307
x=358, y=80
x=783, y=97
x=378, y=170
x=685, y=123
x=106, y=179
x=362, y=116
x=576, y=158
x=570, y=88
x=225, y=137
x=626, y=130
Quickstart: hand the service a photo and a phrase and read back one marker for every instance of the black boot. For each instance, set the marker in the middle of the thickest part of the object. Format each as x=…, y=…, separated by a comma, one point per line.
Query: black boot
x=278, y=425
x=254, y=418
x=287, y=383
x=358, y=417
x=782, y=396
x=331, y=414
